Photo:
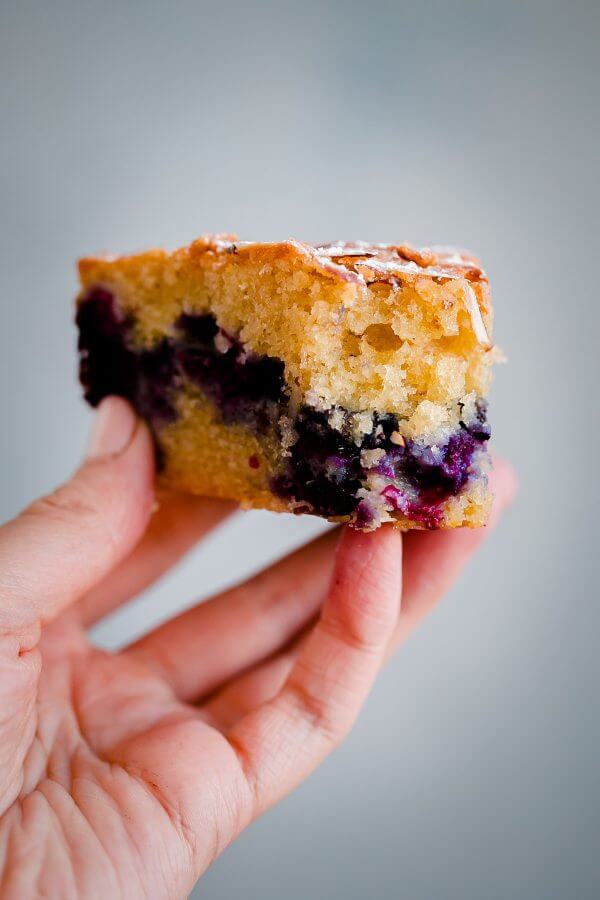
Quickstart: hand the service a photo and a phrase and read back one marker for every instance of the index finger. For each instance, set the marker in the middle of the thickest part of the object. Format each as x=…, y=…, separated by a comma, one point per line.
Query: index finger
x=62, y=545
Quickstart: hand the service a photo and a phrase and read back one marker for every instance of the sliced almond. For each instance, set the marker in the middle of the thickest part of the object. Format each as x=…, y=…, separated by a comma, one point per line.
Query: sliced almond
x=476, y=318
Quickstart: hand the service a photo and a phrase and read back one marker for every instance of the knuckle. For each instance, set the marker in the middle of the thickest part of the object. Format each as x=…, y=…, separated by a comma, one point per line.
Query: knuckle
x=76, y=504
x=319, y=714
x=359, y=629
x=65, y=503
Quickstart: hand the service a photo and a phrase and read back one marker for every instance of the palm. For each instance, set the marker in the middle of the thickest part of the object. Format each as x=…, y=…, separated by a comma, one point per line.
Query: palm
x=127, y=774
x=107, y=744
x=116, y=753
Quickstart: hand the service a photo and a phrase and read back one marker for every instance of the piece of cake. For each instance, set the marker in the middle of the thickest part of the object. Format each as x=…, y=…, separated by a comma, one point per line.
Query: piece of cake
x=344, y=380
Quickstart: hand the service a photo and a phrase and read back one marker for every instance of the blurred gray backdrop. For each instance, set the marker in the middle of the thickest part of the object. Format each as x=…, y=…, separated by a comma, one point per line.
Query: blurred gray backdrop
x=473, y=772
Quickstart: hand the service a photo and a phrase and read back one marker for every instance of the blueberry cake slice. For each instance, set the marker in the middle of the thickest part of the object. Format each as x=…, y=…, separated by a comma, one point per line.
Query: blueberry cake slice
x=344, y=380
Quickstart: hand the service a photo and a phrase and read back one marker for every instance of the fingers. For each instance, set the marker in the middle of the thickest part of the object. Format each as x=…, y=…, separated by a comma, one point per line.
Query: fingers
x=62, y=545
x=222, y=637
x=281, y=742
x=254, y=687
x=178, y=524
x=226, y=640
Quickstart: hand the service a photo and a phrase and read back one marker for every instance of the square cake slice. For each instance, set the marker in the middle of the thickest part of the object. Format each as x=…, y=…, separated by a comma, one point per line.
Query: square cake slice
x=345, y=380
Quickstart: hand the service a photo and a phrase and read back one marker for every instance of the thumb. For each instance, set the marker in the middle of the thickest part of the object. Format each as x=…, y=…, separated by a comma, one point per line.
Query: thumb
x=63, y=544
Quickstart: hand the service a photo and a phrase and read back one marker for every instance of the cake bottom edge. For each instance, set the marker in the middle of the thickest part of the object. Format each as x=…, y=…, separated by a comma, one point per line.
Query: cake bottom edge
x=473, y=512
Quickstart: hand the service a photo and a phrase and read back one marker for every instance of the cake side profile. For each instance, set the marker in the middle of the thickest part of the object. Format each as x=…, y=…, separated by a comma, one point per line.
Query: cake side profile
x=344, y=380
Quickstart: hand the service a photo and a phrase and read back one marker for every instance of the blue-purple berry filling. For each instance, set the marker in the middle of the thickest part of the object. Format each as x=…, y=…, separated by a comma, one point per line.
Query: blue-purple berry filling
x=324, y=470
x=110, y=365
x=244, y=387
x=325, y=467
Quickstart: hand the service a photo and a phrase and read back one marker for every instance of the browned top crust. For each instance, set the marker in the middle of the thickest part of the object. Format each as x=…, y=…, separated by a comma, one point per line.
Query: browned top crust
x=356, y=261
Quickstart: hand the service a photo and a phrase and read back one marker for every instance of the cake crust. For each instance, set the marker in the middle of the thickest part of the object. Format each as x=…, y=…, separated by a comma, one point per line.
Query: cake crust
x=356, y=262
x=338, y=259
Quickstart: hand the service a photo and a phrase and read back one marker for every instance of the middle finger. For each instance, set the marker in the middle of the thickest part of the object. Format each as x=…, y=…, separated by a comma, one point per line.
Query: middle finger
x=220, y=638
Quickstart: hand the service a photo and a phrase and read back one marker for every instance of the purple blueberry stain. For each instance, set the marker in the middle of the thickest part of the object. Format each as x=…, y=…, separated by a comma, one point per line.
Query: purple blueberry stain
x=199, y=328
x=106, y=366
x=364, y=516
x=427, y=514
x=325, y=468
x=109, y=364
x=245, y=388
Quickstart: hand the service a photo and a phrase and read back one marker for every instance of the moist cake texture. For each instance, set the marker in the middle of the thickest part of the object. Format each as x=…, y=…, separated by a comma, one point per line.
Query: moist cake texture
x=345, y=380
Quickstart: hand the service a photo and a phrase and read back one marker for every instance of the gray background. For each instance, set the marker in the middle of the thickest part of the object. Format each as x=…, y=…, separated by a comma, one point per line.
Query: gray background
x=474, y=770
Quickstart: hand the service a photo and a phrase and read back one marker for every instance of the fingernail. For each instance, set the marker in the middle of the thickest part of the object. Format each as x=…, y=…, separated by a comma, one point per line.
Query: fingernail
x=112, y=429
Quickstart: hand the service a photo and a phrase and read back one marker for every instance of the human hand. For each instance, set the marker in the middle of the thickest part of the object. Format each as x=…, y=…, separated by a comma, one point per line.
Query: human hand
x=127, y=774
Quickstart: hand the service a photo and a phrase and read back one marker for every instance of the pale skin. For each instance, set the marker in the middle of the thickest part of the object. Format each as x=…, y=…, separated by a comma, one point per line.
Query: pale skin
x=126, y=775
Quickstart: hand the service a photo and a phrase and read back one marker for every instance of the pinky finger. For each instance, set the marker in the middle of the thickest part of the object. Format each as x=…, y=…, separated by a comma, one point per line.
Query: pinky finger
x=284, y=740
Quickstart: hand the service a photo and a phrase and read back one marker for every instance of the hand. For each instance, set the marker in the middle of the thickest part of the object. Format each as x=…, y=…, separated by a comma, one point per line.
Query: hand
x=127, y=774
